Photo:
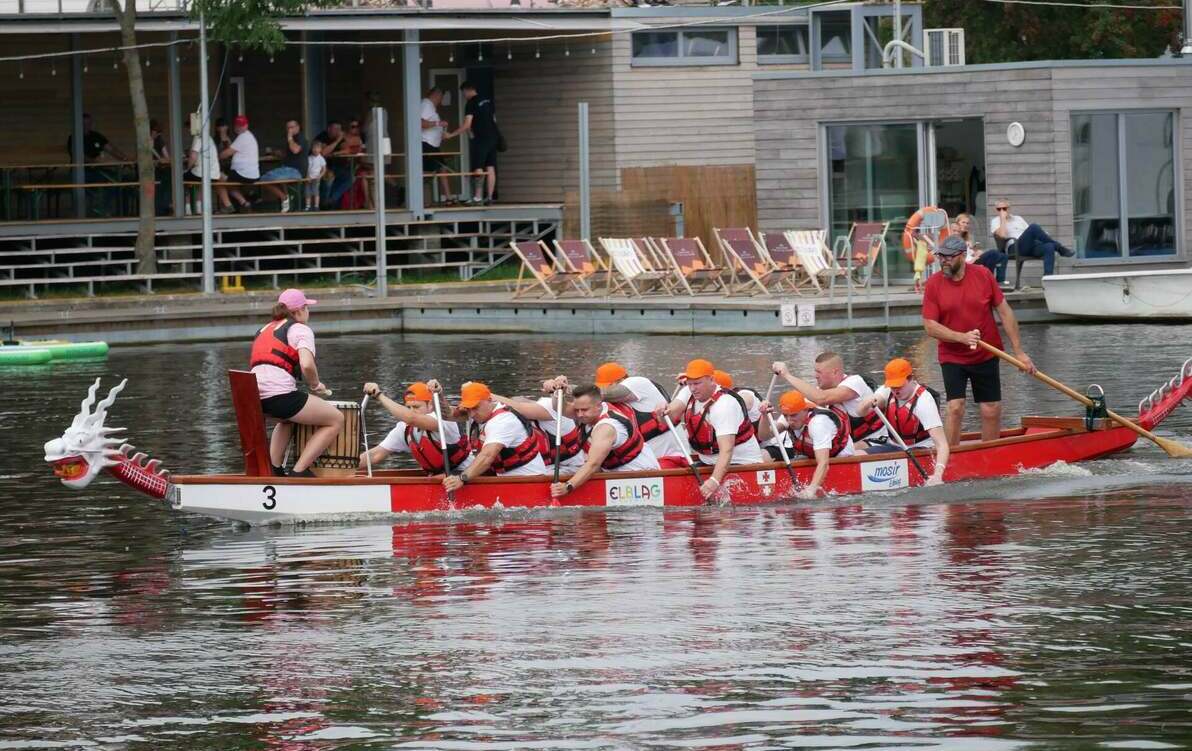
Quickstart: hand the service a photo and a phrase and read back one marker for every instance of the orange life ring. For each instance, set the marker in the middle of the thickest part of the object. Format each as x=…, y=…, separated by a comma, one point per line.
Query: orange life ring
x=908, y=247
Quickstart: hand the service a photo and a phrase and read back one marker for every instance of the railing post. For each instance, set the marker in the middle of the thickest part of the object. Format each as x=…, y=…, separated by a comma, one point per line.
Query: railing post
x=177, y=144
x=76, y=116
x=411, y=101
x=380, y=148
x=585, y=177
x=205, y=125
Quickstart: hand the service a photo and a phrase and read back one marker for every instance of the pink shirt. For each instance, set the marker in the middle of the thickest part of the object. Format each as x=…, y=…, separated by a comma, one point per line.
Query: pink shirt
x=272, y=380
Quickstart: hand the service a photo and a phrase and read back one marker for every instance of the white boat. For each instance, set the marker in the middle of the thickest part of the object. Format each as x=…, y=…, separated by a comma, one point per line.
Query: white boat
x=1121, y=294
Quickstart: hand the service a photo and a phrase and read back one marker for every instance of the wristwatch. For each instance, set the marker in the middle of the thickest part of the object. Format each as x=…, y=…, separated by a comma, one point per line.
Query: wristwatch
x=462, y=478
x=568, y=486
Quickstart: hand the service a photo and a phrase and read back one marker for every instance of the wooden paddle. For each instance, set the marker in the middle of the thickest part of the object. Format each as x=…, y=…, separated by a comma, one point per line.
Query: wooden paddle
x=558, y=429
x=786, y=458
x=699, y=481
x=1173, y=448
x=443, y=443
x=364, y=432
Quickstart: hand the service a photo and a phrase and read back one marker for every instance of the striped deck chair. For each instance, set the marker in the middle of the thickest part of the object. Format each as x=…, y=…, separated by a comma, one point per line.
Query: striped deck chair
x=536, y=259
x=783, y=254
x=656, y=259
x=861, y=248
x=580, y=258
x=815, y=258
x=636, y=276
x=747, y=256
x=692, y=266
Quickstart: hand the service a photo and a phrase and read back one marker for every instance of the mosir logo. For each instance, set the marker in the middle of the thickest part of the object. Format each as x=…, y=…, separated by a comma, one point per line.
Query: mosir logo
x=888, y=475
x=647, y=491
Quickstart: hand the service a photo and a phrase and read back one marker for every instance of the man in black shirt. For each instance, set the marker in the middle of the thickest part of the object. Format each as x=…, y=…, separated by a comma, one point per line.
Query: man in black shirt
x=481, y=126
x=104, y=201
x=292, y=167
x=95, y=144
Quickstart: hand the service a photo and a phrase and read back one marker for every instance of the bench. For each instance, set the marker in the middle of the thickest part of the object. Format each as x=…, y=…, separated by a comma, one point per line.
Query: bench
x=36, y=190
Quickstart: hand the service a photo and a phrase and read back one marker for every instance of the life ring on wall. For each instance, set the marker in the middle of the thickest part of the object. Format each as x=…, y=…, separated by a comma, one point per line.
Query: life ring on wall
x=908, y=247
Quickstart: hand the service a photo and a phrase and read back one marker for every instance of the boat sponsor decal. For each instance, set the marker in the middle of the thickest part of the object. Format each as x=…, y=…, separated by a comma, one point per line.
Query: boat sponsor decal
x=637, y=491
x=885, y=475
x=765, y=482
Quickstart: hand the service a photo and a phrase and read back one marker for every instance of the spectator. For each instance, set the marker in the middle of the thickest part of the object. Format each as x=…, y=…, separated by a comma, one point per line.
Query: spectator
x=195, y=162
x=361, y=185
x=433, y=128
x=246, y=163
x=293, y=164
x=992, y=259
x=341, y=177
x=480, y=124
x=315, y=167
x=161, y=169
x=1031, y=241
x=372, y=99
x=223, y=138
x=95, y=144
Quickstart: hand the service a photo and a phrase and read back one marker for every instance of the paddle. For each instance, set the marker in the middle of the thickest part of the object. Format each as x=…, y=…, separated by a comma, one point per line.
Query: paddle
x=786, y=459
x=898, y=440
x=1173, y=448
x=699, y=481
x=364, y=432
x=558, y=429
x=773, y=381
x=443, y=443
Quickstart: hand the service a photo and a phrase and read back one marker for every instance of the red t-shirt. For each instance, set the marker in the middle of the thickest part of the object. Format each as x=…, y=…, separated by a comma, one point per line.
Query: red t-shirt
x=963, y=306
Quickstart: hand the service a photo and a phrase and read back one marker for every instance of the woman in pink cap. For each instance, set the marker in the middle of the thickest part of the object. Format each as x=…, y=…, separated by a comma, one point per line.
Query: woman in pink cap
x=284, y=350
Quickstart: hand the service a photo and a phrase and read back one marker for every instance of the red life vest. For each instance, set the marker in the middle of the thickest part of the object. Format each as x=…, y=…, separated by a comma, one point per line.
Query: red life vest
x=863, y=427
x=569, y=447
x=429, y=454
x=902, y=417
x=803, y=444
x=512, y=457
x=271, y=347
x=621, y=455
x=650, y=426
x=700, y=432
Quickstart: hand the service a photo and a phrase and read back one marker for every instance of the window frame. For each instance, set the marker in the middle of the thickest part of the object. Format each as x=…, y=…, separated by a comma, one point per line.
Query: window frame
x=844, y=57
x=732, y=57
x=804, y=59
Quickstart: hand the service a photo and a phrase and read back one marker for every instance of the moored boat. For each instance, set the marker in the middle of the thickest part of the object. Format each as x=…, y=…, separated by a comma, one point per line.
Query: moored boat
x=1161, y=295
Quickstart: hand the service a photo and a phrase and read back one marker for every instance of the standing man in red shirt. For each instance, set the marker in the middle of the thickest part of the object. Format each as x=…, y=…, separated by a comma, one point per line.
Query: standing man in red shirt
x=958, y=307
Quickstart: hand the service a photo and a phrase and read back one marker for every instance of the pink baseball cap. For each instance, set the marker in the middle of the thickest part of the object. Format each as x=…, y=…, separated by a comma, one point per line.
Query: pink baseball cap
x=294, y=299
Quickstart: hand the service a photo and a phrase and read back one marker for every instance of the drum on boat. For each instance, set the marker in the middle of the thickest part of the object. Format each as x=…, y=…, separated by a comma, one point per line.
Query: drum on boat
x=343, y=455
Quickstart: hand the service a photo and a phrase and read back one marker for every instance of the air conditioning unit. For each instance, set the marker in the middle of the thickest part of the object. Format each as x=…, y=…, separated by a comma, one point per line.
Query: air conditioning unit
x=944, y=47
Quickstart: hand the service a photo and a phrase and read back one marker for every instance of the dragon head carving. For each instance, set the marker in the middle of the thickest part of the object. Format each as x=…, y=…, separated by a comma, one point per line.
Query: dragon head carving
x=87, y=446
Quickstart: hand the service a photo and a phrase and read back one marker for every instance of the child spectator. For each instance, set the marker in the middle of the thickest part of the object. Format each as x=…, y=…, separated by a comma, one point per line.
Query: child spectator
x=316, y=166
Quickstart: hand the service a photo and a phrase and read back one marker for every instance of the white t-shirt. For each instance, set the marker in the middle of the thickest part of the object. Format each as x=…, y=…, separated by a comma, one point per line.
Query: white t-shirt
x=822, y=430
x=725, y=417
x=316, y=165
x=643, y=461
x=395, y=441
x=926, y=411
x=548, y=403
x=431, y=136
x=212, y=157
x=246, y=162
x=1014, y=227
x=504, y=428
x=648, y=399
x=857, y=385
x=272, y=380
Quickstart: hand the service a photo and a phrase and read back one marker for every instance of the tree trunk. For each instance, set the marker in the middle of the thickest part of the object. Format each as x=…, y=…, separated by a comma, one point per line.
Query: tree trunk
x=126, y=14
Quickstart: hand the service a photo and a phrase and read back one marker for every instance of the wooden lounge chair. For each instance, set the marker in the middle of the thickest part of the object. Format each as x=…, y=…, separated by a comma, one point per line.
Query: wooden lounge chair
x=655, y=258
x=859, y=251
x=815, y=258
x=536, y=259
x=693, y=267
x=579, y=257
x=782, y=253
x=747, y=256
x=629, y=272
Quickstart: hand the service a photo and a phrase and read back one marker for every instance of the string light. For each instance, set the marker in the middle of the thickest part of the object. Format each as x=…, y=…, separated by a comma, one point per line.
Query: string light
x=480, y=52
x=115, y=62
x=302, y=57
x=333, y=56
x=391, y=61
x=566, y=49
x=509, y=53
x=362, y=54
x=84, y=65
x=53, y=68
x=240, y=58
x=537, y=50
x=148, y=60
x=271, y=58
x=451, y=56
x=20, y=70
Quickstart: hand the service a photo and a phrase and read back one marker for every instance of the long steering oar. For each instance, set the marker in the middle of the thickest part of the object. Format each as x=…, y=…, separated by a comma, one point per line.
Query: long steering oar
x=443, y=443
x=1173, y=448
x=558, y=430
x=898, y=440
x=364, y=432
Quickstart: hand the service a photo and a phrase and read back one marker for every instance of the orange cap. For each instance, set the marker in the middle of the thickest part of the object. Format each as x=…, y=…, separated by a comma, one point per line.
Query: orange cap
x=723, y=380
x=792, y=402
x=898, y=371
x=418, y=392
x=609, y=373
x=699, y=369
x=472, y=393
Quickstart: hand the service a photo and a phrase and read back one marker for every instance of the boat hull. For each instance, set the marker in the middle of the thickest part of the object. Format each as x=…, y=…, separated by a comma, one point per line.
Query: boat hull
x=1041, y=442
x=1121, y=295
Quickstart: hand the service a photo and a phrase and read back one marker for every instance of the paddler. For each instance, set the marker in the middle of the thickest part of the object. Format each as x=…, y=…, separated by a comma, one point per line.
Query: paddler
x=753, y=405
x=504, y=441
x=717, y=424
x=912, y=409
x=543, y=413
x=833, y=387
x=644, y=397
x=611, y=440
x=283, y=351
x=818, y=433
x=417, y=432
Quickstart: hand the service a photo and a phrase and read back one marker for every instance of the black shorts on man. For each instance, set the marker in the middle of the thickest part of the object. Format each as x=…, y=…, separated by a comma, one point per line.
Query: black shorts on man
x=985, y=378
x=236, y=177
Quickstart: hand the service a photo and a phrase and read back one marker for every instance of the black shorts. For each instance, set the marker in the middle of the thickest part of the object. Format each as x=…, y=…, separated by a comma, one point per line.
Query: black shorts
x=432, y=163
x=284, y=406
x=984, y=376
x=236, y=177
x=483, y=155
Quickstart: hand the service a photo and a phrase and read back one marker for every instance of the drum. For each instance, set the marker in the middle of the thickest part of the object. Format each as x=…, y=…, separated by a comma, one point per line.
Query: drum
x=342, y=457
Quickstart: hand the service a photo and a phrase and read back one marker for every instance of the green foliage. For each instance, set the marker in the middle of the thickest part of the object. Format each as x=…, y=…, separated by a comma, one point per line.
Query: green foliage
x=252, y=24
x=998, y=33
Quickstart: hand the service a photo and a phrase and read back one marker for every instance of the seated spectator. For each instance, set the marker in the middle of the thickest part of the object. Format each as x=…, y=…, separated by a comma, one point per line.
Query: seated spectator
x=992, y=259
x=161, y=169
x=341, y=175
x=95, y=144
x=315, y=168
x=1030, y=239
x=361, y=188
x=293, y=164
x=195, y=161
x=246, y=164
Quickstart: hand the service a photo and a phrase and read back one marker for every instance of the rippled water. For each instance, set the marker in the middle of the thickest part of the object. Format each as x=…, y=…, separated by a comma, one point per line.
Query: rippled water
x=1050, y=610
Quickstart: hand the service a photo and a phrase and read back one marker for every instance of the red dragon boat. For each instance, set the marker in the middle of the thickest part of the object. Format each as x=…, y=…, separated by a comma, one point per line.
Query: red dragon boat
x=255, y=496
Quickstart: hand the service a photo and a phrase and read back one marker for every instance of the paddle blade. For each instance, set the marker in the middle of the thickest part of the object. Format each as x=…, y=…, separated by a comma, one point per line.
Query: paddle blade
x=1174, y=449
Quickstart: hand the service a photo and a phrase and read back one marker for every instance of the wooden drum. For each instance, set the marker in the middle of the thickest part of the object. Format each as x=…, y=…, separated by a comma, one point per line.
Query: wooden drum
x=342, y=457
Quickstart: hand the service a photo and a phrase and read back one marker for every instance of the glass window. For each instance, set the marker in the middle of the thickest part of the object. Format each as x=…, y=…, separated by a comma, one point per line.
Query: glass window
x=1096, y=201
x=782, y=44
x=1150, y=183
x=836, y=37
x=694, y=47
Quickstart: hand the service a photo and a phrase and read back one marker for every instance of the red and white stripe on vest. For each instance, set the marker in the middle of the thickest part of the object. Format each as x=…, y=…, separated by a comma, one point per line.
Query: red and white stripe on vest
x=803, y=443
x=650, y=426
x=272, y=347
x=512, y=457
x=429, y=454
x=902, y=417
x=570, y=446
x=700, y=432
x=627, y=450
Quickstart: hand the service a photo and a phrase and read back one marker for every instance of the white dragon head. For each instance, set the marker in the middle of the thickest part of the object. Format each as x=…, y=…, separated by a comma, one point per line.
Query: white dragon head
x=87, y=446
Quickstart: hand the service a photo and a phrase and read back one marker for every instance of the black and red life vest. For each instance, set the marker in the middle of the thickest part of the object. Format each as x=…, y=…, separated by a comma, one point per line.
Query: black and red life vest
x=569, y=447
x=429, y=454
x=621, y=455
x=650, y=426
x=803, y=443
x=271, y=347
x=512, y=457
x=700, y=432
x=863, y=427
x=902, y=417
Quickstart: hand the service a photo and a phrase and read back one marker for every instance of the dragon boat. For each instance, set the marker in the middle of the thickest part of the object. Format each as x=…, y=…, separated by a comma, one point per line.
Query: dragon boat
x=88, y=447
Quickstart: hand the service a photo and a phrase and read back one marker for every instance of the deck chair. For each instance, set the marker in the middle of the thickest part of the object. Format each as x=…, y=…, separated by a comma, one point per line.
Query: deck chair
x=536, y=259
x=692, y=266
x=815, y=258
x=747, y=256
x=628, y=272
x=655, y=258
x=579, y=257
x=860, y=249
x=783, y=253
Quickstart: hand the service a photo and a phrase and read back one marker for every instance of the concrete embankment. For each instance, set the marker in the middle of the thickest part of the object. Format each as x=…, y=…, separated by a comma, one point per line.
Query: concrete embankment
x=468, y=308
